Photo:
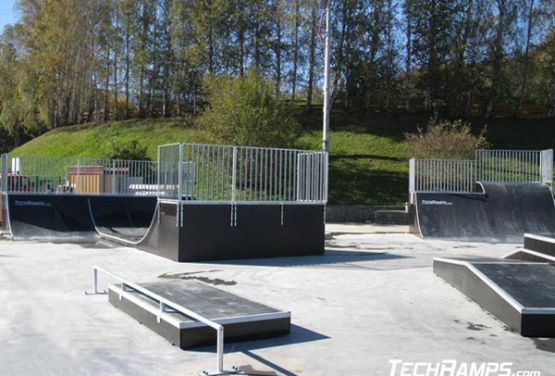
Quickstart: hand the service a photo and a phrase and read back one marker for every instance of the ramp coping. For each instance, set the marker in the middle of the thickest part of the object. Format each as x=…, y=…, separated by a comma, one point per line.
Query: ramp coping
x=540, y=237
x=495, y=287
x=531, y=252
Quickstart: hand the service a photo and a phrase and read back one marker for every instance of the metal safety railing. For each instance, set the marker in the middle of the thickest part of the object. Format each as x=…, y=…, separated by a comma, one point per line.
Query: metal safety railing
x=431, y=175
x=233, y=174
x=504, y=166
x=32, y=174
x=164, y=304
x=514, y=165
x=190, y=173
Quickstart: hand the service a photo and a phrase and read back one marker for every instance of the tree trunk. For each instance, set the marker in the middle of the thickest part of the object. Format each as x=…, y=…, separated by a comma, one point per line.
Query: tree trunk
x=106, y=108
x=312, y=55
x=524, y=83
x=339, y=59
x=497, y=58
x=551, y=112
x=127, y=69
x=295, y=51
x=278, y=47
x=408, y=55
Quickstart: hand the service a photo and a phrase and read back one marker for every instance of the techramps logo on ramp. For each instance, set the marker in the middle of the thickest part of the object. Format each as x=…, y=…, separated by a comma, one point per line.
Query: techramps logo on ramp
x=436, y=202
x=33, y=204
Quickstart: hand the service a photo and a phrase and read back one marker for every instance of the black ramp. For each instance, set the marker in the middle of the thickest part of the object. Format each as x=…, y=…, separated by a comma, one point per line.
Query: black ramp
x=519, y=293
x=125, y=217
x=532, y=285
x=259, y=231
x=50, y=217
x=242, y=319
x=541, y=244
x=71, y=217
x=504, y=211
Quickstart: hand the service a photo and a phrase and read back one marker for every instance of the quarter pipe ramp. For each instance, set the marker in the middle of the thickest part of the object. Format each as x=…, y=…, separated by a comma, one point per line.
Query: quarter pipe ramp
x=501, y=212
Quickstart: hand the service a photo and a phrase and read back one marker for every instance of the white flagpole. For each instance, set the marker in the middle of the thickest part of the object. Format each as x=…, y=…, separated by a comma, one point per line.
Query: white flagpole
x=326, y=125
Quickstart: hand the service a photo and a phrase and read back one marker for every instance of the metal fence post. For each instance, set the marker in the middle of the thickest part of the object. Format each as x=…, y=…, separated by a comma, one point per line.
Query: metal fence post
x=78, y=176
x=158, y=167
x=5, y=173
x=234, y=174
x=180, y=184
x=113, y=177
x=326, y=176
x=412, y=179
x=547, y=167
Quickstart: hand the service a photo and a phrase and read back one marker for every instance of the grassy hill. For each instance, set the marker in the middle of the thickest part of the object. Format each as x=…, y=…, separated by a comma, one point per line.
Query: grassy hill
x=368, y=160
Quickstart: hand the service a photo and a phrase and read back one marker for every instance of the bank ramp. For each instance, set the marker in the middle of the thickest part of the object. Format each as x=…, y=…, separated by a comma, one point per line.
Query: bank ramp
x=519, y=293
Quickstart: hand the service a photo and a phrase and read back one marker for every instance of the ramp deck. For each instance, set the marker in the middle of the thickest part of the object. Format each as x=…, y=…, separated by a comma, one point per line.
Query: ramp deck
x=243, y=319
x=521, y=294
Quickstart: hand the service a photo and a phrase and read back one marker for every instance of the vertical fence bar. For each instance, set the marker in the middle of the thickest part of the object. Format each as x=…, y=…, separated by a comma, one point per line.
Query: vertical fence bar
x=233, y=174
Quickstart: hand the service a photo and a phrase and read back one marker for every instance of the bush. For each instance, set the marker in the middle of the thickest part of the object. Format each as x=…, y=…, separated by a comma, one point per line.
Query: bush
x=132, y=150
x=245, y=111
x=446, y=140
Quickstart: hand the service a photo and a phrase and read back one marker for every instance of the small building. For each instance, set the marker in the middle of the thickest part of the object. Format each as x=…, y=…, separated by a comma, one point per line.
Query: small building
x=98, y=179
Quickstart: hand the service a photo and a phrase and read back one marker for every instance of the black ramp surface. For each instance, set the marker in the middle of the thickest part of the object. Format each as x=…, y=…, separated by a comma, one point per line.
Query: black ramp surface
x=242, y=319
x=505, y=211
x=207, y=301
x=520, y=294
x=533, y=286
x=126, y=217
x=52, y=217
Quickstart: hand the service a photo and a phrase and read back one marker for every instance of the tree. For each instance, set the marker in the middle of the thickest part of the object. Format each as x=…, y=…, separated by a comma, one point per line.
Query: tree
x=505, y=14
x=247, y=111
x=311, y=53
x=526, y=58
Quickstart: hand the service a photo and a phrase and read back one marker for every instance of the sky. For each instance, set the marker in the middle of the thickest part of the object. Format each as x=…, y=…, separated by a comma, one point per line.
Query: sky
x=8, y=13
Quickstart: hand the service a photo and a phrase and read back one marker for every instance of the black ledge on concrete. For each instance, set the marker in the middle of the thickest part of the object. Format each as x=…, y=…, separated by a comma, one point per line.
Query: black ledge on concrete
x=242, y=319
x=518, y=293
x=540, y=244
x=537, y=248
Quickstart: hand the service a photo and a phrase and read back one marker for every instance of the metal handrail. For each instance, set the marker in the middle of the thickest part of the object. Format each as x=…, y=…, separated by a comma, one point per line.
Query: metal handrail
x=163, y=304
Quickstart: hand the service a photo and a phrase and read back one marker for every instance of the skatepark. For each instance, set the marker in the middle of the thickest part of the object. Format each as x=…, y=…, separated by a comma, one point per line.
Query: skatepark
x=223, y=253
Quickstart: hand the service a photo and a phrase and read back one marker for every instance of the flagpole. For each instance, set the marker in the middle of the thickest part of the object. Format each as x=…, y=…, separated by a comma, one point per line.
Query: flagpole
x=326, y=122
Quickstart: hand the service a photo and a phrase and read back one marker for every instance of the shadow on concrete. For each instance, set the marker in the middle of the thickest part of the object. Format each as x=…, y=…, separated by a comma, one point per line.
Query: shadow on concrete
x=297, y=335
x=279, y=370
x=545, y=344
x=330, y=257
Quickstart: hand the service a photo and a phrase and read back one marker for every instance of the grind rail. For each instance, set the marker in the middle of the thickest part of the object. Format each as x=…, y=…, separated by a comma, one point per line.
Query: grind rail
x=164, y=304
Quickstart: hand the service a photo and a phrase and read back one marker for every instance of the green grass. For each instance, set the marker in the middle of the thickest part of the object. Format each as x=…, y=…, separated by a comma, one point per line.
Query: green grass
x=92, y=140
x=368, y=160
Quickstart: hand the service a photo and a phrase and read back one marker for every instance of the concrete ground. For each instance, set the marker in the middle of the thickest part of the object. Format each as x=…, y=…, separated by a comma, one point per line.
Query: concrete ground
x=373, y=297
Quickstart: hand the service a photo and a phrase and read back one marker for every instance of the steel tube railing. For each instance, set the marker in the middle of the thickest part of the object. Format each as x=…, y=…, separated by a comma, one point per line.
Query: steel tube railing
x=163, y=304
x=236, y=174
x=503, y=166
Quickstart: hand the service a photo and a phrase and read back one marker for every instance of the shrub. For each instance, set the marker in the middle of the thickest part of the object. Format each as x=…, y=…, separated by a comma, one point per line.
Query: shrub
x=446, y=140
x=132, y=150
x=245, y=111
